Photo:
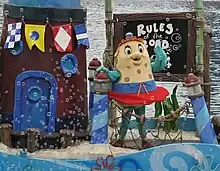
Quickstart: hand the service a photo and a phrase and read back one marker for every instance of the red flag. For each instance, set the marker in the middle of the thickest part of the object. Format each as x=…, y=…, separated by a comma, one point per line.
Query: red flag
x=63, y=37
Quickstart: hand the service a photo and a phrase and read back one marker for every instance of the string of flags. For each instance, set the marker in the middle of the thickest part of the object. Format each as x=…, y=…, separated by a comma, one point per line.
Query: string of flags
x=35, y=35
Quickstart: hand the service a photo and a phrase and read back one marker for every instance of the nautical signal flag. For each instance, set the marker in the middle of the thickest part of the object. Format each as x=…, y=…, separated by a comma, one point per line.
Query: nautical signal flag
x=81, y=35
x=63, y=37
x=34, y=35
x=14, y=35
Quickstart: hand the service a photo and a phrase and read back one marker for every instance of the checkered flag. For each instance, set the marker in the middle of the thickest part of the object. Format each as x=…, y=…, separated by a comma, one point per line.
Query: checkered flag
x=14, y=35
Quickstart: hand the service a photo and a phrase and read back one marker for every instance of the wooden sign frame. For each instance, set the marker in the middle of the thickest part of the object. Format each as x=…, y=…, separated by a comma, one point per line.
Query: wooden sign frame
x=120, y=20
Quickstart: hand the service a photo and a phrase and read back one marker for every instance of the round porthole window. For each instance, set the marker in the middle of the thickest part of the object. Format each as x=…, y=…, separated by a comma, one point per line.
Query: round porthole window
x=18, y=48
x=69, y=65
x=34, y=93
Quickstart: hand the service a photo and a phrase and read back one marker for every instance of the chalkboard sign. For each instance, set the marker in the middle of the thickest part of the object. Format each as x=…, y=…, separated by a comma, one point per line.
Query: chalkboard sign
x=171, y=33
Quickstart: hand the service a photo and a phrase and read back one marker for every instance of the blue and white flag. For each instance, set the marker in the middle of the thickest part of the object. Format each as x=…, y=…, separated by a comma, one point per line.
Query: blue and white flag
x=81, y=35
x=14, y=35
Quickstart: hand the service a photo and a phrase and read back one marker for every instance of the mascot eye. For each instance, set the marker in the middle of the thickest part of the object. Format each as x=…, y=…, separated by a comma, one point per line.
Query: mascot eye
x=127, y=50
x=140, y=48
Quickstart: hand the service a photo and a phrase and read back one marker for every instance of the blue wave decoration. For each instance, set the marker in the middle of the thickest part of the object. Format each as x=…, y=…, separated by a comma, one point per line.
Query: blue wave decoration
x=173, y=157
x=203, y=123
x=99, y=117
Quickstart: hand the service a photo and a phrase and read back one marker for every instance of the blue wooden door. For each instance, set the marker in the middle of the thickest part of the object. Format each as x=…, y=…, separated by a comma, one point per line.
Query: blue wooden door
x=35, y=101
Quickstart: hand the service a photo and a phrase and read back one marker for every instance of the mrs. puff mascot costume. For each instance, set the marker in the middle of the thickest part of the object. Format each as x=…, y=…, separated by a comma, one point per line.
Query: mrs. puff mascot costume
x=133, y=82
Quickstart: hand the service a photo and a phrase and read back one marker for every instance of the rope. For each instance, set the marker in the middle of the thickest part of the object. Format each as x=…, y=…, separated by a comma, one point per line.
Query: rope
x=161, y=122
x=140, y=87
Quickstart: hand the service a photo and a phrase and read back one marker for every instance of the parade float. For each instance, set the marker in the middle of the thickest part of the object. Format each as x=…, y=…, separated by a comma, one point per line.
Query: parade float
x=50, y=120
